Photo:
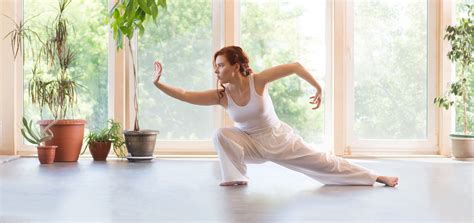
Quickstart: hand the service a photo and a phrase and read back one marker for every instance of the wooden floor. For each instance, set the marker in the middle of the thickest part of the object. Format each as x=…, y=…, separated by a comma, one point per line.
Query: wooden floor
x=186, y=190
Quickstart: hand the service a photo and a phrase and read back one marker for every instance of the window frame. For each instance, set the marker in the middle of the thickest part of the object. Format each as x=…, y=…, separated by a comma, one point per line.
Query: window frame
x=428, y=146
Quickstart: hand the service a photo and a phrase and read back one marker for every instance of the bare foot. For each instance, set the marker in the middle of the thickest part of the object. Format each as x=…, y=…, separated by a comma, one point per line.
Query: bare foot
x=233, y=183
x=388, y=181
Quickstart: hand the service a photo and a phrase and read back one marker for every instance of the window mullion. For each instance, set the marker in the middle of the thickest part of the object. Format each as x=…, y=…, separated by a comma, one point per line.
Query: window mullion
x=340, y=74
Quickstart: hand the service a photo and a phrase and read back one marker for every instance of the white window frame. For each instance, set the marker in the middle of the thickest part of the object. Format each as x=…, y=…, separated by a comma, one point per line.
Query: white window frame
x=409, y=147
x=328, y=140
x=20, y=146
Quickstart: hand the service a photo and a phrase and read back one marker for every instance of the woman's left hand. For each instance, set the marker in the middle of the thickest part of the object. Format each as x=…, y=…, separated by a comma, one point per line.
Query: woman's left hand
x=316, y=99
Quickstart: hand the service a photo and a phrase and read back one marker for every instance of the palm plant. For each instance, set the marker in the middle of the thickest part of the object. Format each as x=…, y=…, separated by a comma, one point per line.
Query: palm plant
x=59, y=94
x=56, y=90
x=19, y=35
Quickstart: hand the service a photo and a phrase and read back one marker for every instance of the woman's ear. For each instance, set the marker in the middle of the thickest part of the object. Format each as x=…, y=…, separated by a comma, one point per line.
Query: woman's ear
x=237, y=68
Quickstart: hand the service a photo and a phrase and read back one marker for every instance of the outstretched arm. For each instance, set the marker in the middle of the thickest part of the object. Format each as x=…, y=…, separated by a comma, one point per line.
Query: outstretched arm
x=209, y=97
x=284, y=70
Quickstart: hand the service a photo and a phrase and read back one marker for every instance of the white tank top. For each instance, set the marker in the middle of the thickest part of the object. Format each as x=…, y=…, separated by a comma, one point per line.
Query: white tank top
x=258, y=114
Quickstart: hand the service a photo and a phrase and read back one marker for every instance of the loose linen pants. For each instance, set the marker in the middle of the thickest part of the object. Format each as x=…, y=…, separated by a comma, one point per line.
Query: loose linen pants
x=279, y=144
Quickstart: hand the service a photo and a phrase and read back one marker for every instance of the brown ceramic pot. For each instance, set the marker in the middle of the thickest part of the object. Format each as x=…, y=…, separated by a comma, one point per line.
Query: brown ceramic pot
x=99, y=150
x=140, y=143
x=68, y=135
x=46, y=154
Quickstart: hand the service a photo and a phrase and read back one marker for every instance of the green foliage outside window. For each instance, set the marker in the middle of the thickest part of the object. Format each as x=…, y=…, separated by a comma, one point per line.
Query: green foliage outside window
x=270, y=36
x=182, y=41
x=390, y=69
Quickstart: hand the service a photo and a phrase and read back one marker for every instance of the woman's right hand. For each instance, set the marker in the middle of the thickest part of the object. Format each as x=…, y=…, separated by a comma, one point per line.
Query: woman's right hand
x=157, y=71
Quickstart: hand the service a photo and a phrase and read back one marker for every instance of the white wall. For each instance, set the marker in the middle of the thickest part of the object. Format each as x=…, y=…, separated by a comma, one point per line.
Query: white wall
x=7, y=80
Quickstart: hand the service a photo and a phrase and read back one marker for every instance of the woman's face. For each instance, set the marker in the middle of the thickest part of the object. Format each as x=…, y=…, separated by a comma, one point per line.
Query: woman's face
x=224, y=70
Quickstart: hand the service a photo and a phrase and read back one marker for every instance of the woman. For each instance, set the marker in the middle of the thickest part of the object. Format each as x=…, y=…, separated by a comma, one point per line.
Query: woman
x=258, y=135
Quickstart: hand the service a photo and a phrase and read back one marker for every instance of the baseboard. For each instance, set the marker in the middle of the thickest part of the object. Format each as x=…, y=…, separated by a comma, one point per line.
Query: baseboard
x=6, y=159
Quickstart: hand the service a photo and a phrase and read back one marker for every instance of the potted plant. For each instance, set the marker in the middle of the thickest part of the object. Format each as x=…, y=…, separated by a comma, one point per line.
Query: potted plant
x=58, y=93
x=46, y=153
x=461, y=38
x=126, y=17
x=100, y=141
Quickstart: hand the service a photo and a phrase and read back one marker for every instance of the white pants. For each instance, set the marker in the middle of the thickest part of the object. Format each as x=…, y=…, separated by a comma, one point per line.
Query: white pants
x=280, y=145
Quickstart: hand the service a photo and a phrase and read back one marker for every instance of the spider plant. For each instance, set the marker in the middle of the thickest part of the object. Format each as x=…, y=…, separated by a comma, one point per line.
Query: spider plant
x=112, y=134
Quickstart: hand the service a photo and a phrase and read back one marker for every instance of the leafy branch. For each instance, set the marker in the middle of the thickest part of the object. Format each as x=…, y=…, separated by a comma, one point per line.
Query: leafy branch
x=461, y=38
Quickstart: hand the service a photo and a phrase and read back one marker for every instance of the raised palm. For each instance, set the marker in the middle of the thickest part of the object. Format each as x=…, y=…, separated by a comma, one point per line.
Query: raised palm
x=157, y=71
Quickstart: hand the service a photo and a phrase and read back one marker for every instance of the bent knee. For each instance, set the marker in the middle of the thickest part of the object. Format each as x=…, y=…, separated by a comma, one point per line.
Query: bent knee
x=222, y=134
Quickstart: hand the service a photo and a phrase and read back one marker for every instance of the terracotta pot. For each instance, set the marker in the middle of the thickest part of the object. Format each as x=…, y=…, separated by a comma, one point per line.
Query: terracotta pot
x=46, y=154
x=68, y=136
x=99, y=150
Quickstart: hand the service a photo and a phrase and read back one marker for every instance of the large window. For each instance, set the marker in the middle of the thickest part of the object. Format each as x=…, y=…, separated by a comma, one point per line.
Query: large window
x=88, y=38
x=385, y=66
x=182, y=41
x=390, y=73
x=275, y=32
x=461, y=11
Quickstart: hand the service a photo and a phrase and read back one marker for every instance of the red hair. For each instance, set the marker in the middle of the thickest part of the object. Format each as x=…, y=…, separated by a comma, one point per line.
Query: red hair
x=234, y=55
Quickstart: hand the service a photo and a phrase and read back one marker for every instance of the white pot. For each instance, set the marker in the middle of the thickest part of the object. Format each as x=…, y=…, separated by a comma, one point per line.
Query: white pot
x=462, y=146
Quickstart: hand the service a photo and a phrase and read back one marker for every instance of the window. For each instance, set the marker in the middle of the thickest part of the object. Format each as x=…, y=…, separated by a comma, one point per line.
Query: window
x=182, y=41
x=385, y=62
x=88, y=38
x=391, y=76
x=276, y=32
x=390, y=69
x=459, y=114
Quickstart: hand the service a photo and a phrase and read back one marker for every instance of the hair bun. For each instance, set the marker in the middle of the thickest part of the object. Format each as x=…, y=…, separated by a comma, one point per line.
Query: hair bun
x=247, y=69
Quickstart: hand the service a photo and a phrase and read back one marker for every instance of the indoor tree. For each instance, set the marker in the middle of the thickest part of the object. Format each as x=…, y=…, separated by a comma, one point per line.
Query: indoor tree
x=126, y=17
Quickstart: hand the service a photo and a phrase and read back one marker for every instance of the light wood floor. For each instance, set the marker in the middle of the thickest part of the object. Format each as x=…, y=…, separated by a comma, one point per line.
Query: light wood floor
x=185, y=190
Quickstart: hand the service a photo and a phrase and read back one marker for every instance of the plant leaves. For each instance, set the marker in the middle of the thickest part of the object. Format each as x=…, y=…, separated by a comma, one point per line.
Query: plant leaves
x=26, y=136
x=144, y=5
